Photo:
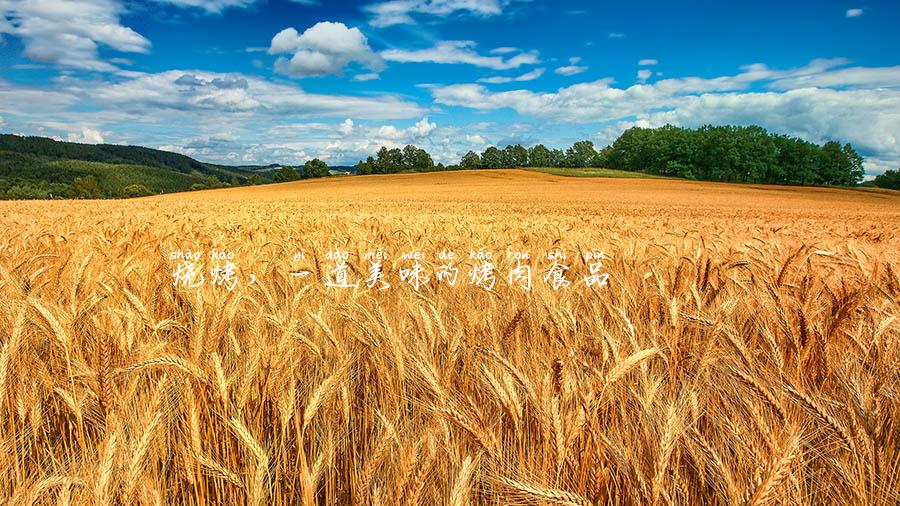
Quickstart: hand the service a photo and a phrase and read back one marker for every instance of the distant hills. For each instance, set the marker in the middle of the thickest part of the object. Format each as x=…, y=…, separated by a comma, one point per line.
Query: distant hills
x=39, y=167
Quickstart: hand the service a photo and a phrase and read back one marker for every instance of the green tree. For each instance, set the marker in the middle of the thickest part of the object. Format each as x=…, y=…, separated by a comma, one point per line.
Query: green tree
x=514, y=155
x=388, y=161
x=413, y=158
x=25, y=191
x=86, y=188
x=285, y=174
x=833, y=164
x=135, y=190
x=470, y=160
x=539, y=156
x=235, y=181
x=255, y=179
x=855, y=170
x=409, y=158
x=366, y=166
x=601, y=159
x=315, y=168
x=213, y=182
x=889, y=179
x=492, y=158
x=581, y=154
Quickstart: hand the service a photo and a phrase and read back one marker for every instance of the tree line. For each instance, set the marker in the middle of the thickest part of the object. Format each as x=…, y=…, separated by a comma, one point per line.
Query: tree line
x=394, y=160
x=732, y=153
x=715, y=153
x=890, y=179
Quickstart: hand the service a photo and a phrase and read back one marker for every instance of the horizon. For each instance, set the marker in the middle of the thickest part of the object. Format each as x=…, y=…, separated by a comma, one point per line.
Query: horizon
x=245, y=82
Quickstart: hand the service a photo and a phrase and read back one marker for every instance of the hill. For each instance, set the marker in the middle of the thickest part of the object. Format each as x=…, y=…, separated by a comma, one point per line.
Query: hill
x=39, y=167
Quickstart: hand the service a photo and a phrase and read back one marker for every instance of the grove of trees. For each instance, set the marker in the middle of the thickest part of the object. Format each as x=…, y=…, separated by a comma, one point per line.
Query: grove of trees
x=311, y=169
x=581, y=154
x=315, y=168
x=389, y=161
x=285, y=174
x=890, y=179
x=732, y=153
x=716, y=153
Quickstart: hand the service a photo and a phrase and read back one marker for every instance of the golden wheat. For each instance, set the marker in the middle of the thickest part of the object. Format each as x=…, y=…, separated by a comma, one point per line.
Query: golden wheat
x=745, y=351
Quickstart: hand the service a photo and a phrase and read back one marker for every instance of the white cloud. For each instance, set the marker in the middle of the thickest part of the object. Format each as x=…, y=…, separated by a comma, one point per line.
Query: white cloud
x=643, y=75
x=400, y=12
x=457, y=52
x=504, y=50
x=854, y=13
x=86, y=136
x=869, y=77
x=368, y=76
x=251, y=138
x=572, y=68
x=217, y=95
x=648, y=62
x=223, y=118
x=325, y=48
x=422, y=129
x=68, y=32
x=212, y=6
x=528, y=76
x=615, y=35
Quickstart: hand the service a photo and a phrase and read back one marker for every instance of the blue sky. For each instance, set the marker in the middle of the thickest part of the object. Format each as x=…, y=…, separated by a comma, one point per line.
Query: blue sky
x=261, y=81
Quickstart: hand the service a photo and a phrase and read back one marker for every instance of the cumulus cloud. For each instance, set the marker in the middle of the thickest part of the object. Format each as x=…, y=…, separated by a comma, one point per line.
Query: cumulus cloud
x=325, y=48
x=643, y=75
x=422, y=129
x=86, y=136
x=857, y=105
x=854, y=13
x=528, y=76
x=460, y=52
x=400, y=12
x=68, y=33
x=648, y=62
x=346, y=127
x=572, y=68
x=218, y=96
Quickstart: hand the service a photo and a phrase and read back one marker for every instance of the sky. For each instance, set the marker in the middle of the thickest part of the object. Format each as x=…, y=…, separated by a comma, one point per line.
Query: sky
x=283, y=81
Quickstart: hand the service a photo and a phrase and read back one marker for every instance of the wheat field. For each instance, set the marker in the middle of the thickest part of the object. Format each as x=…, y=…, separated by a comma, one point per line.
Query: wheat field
x=745, y=351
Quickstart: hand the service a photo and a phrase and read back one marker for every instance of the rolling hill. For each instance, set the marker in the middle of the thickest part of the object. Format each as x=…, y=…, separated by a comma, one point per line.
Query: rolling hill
x=39, y=167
